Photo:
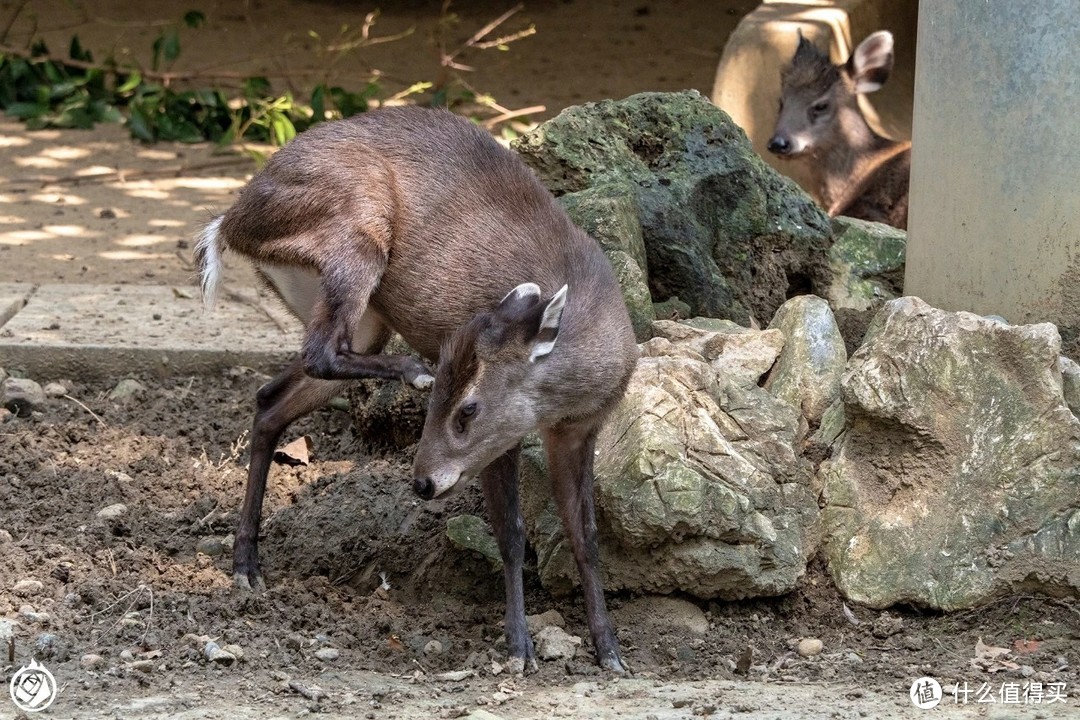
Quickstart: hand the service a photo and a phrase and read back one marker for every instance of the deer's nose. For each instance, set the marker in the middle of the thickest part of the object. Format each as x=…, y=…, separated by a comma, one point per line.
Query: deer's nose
x=424, y=487
x=779, y=145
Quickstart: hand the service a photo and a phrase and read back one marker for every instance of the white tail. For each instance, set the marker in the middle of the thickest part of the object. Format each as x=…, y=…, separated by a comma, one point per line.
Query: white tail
x=208, y=257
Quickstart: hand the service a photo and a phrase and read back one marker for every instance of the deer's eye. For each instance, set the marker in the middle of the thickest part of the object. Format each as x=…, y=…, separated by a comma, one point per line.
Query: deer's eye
x=465, y=415
x=818, y=109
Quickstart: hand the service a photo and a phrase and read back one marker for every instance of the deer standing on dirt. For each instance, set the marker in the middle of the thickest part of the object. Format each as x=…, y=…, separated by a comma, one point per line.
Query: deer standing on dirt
x=417, y=221
x=854, y=171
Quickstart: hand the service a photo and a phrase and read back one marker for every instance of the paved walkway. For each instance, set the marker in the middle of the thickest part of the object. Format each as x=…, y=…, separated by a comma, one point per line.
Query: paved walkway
x=104, y=331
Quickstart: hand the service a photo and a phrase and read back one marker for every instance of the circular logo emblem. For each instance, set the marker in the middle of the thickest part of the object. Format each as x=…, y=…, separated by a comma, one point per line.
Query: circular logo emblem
x=925, y=693
x=33, y=688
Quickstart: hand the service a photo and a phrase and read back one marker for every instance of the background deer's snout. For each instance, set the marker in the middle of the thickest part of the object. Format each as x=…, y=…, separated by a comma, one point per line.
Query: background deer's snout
x=779, y=145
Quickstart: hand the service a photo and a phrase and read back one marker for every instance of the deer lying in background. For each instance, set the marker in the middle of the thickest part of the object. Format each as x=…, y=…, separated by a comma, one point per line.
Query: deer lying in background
x=854, y=170
x=417, y=221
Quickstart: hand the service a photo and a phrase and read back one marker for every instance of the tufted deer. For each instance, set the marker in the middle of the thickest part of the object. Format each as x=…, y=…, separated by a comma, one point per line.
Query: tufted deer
x=417, y=221
x=854, y=170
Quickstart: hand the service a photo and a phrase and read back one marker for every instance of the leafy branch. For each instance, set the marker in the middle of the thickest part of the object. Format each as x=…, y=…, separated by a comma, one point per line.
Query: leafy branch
x=159, y=103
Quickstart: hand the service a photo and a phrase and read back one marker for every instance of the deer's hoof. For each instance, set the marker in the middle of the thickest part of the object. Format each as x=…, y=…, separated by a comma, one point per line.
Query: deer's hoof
x=251, y=582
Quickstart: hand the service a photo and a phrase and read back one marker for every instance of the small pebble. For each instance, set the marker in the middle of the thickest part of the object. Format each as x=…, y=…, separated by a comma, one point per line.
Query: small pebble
x=127, y=656
x=27, y=612
x=216, y=654
x=112, y=512
x=145, y=666
x=5, y=537
x=211, y=546
x=809, y=647
x=127, y=388
x=434, y=647
x=55, y=390
x=327, y=654
x=91, y=661
x=536, y=623
x=26, y=588
x=553, y=643
x=235, y=650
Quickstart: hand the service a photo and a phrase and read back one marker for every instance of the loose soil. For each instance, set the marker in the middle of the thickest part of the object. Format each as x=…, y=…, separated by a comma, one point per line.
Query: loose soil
x=147, y=588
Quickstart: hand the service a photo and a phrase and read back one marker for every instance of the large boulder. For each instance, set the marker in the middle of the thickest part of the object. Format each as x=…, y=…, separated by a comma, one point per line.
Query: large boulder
x=740, y=354
x=722, y=230
x=698, y=489
x=957, y=477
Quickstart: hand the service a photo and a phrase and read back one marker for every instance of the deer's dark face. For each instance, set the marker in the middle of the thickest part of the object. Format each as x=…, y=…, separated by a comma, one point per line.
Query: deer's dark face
x=819, y=101
x=487, y=394
x=812, y=88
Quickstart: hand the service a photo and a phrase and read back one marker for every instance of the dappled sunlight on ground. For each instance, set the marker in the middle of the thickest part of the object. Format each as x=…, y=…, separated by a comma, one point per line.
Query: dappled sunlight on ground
x=95, y=206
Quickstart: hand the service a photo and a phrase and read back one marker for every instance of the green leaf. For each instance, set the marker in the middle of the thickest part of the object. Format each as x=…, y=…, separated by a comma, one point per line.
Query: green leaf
x=25, y=110
x=131, y=82
x=171, y=47
x=282, y=127
x=139, y=125
x=77, y=52
x=194, y=18
x=256, y=87
x=318, y=103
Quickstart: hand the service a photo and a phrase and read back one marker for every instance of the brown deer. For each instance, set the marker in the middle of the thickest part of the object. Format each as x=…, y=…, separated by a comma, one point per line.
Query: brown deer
x=416, y=221
x=854, y=170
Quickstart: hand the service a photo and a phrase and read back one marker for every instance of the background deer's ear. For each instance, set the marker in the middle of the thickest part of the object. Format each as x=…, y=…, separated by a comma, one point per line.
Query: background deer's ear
x=871, y=63
x=519, y=300
x=548, y=331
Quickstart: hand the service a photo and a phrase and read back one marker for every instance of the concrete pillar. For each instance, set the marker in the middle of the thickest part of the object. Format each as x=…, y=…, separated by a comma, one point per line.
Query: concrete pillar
x=994, y=224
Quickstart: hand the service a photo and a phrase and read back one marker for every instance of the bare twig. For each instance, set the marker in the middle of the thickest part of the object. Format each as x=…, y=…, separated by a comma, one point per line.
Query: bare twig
x=11, y=20
x=92, y=413
x=477, y=39
x=511, y=114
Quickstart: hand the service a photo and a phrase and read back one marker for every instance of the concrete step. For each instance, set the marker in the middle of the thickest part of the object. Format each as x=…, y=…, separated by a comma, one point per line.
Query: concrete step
x=107, y=331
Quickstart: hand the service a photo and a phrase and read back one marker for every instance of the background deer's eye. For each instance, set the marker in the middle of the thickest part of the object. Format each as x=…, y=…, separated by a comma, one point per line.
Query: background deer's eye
x=819, y=108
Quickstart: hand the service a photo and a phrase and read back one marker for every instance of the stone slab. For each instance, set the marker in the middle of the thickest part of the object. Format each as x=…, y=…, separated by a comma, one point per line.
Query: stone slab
x=104, y=331
x=12, y=298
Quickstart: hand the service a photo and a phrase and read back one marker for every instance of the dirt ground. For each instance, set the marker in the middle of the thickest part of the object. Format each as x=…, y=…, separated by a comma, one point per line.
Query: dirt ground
x=145, y=588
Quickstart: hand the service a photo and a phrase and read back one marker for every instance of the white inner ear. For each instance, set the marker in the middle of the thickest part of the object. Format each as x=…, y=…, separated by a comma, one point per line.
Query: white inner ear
x=523, y=291
x=550, y=321
x=873, y=55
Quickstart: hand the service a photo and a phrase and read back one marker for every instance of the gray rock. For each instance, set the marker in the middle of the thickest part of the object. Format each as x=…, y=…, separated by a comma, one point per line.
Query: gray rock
x=807, y=373
x=27, y=588
x=433, y=647
x=5, y=537
x=721, y=229
x=92, y=662
x=672, y=309
x=217, y=655
x=52, y=647
x=211, y=546
x=610, y=216
x=698, y=489
x=22, y=396
x=55, y=390
x=470, y=532
x=741, y=354
x=867, y=261
x=670, y=613
x=327, y=654
x=112, y=512
x=127, y=389
x=554, y=643
x=956, y=479
x=549, y=617
x=809, y=647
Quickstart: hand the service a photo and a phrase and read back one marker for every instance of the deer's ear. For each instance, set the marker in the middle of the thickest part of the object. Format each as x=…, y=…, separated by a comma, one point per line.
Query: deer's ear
x=548, y=331
x=871, y=63
x=519, y=300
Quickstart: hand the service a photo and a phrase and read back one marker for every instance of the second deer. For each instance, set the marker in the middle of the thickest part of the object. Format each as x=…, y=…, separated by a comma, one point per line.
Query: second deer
x=854, y=171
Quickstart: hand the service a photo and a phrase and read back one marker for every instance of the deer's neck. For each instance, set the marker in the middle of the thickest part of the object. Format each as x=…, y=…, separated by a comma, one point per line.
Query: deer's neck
x=854, y=154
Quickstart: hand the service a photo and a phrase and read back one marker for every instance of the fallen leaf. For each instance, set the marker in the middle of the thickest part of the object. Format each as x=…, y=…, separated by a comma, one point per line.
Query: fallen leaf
x=989, y=652
x=298, y=452
x=991, y=659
